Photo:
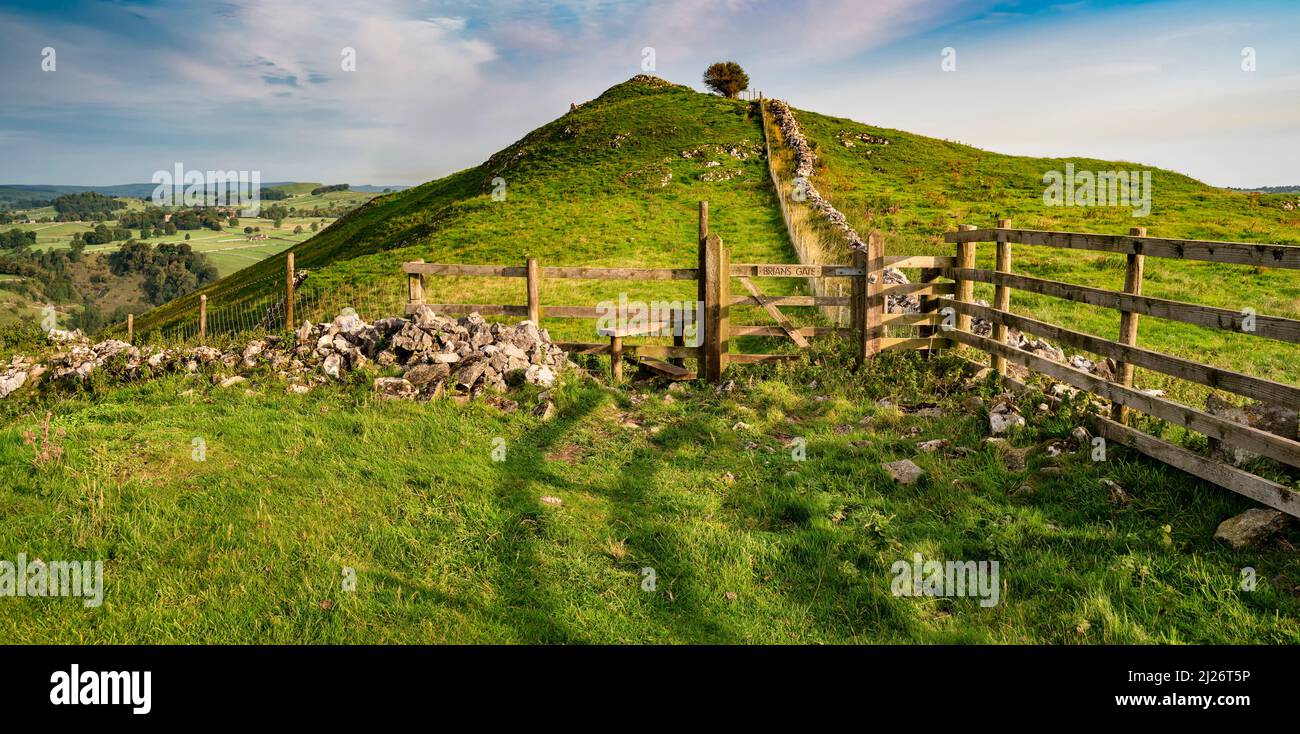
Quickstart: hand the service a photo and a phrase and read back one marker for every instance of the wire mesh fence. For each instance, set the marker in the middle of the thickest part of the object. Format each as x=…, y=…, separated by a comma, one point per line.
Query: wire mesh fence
x=218, y=323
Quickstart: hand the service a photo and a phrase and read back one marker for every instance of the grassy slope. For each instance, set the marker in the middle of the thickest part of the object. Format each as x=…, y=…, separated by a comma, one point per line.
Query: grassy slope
x=450, y=546
x=918, y=188
x=572, y=198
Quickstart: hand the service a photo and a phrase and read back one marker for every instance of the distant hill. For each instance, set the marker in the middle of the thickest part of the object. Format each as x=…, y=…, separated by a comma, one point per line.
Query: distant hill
x=1270, y=190
x=22, y=196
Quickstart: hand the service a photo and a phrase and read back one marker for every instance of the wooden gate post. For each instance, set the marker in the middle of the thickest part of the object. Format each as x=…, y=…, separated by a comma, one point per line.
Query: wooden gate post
x=873, y=301
x=203, y=319
x=415, y=287
x=288, y=292
x=717, y=308
x=130, y=328
x=1002, y=294
x=701, y=288
x=965, y=286
x=1128, y=321
x=534, y=292
x=858, y=298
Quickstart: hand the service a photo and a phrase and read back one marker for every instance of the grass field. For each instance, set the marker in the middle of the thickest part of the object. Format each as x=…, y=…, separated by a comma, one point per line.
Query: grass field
x=747, y=544
x=229, y=249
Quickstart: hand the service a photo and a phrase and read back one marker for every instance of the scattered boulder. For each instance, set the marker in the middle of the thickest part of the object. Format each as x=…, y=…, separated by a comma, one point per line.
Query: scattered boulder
x=903, y=471
x=1004, y=416
x=938, y=444
x=1250, y=528
x=1117, y=493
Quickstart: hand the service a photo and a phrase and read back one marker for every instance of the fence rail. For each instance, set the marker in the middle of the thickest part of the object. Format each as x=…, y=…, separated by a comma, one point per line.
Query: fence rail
x=1131, y=304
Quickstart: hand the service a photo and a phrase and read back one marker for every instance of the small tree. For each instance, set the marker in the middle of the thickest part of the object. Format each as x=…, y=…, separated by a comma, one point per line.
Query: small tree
x=726, y=78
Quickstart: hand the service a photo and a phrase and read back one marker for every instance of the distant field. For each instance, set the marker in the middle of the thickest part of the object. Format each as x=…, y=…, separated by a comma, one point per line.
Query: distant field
x=229, y=249
x=333, y=198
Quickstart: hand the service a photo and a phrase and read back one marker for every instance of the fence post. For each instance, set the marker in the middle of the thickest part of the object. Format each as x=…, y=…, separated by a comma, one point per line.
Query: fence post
x=1001, y=293
x=415, y=287
x=701, y=287
x=858, y=294
x=130, y=328
x=700, y=250
x=965, y=286
x=616, y=358
x=1128, y=321
x=873, y=300
x=288, y=292
x=203, y=319
x=717, y=307
x=534, y=292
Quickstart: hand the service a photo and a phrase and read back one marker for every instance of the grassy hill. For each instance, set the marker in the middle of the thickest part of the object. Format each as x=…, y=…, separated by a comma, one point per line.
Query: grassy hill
x=915, y=188
x=606, y=184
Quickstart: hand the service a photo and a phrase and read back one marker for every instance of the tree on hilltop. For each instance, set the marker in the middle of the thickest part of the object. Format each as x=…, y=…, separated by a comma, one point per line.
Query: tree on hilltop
x=726, y=78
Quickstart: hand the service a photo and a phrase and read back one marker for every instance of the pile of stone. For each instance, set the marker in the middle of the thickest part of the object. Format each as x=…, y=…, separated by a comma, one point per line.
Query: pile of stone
x=468, y=353
x=435, y=354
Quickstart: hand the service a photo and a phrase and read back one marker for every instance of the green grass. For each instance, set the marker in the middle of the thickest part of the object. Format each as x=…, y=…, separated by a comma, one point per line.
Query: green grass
x=748, y=545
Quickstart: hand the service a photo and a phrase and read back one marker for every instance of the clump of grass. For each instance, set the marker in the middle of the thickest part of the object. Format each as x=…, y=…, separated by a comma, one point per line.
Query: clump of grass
x=45, y=450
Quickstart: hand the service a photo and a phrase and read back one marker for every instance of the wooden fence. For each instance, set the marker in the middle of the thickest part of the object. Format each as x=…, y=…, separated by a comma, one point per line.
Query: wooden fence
x=1124, y=350
x=712, y=316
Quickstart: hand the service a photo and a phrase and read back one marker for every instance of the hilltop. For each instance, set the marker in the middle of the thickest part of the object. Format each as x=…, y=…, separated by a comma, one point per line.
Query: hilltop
x=615, y=181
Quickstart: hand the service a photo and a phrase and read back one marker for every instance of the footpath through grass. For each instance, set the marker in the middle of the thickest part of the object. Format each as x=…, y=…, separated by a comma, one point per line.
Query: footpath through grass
x=747, y=545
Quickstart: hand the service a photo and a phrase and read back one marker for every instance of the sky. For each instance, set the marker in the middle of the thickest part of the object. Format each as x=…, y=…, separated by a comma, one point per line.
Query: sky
x=440, y=85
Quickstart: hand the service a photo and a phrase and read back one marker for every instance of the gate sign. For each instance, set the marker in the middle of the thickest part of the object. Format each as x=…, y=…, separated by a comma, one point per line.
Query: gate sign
x=791, y=270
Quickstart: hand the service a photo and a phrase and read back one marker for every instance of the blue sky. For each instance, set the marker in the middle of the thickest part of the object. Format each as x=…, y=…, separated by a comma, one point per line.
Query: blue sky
x=441, y=85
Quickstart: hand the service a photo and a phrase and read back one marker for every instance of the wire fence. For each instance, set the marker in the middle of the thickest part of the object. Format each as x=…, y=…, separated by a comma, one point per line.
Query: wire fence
x=247, y=318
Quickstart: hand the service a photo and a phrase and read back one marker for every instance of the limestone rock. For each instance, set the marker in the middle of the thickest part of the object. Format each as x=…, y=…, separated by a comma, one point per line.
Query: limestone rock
x=1250, y=528
x=903, y=471
x=394, y=388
